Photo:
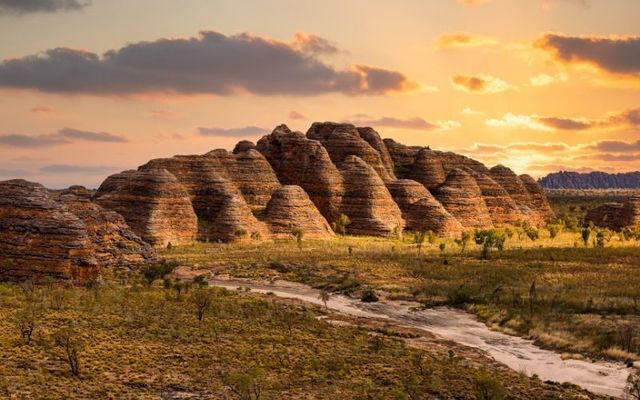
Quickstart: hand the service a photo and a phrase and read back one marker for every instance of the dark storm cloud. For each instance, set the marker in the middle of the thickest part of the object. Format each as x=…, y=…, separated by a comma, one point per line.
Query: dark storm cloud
x=618, y=55
x=63, y=136
x=233, y=132
x=210, y=63
x=34, y=6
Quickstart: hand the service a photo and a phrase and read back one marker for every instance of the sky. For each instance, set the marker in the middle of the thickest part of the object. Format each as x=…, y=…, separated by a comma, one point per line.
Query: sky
x=92, y=87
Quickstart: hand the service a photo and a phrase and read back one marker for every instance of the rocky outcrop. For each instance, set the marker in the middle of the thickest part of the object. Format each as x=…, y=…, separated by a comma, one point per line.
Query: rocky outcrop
x=40, y=238
x=591, y=180
x=607, y=215
x=209, y=181
x=300, y=161
x=344, y=140
x=461, y=196
x=616, y=216
x=451, y=161
x=373, y=138
x=114, y=243
x=367, y=202
x=291, y=208
x=537, y=199
x=508, y=179
x=503, y=210
x=427, y=169
x=402, y=156
x=243, y=146
x=631, y=211
x=155, y=205
x=250, y=172
x=421, y=211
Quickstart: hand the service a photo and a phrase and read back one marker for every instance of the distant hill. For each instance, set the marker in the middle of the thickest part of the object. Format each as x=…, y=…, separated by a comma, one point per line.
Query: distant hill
x=591, y=180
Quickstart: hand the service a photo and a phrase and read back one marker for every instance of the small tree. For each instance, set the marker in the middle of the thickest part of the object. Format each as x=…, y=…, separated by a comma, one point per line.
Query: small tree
x=298, y=233
x=586, y=235
x=554, y=230
x=340, y=225
x=419, y=239
x=240, y=233
x=68, y=340
x=442, y=247
x=324, y=296
x=465, y=238
x=201, y=299
x=26, y=322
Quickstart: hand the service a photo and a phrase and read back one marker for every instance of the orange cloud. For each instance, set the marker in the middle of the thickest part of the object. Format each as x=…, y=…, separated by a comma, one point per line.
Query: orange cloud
x=461, y=39
x=480, y=84
x=625, y=118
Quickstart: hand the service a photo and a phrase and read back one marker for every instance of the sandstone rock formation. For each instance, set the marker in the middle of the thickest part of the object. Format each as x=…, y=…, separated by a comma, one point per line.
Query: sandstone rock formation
x=114, y=243
x=512, y=183
x=289, y=208
x=373, y=138
x=421, y=211
x=39, y=237
x=250, y=172
x=461, y=196
x=537, y=199
x=300, y=161
x=216, y=199
x=402, y=156
x=503, y=210
x=616, y=216
x=367, y=202
x=153, y=203
x=427, y=169
x=344, y=140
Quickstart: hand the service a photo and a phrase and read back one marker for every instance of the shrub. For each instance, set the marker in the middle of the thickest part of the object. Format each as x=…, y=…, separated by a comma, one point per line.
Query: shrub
x=633, y=386
x=487, y=388
x=68, y=340
x=202, y=299
x=339, y=226
x=369, y=296
x=158, y=270
x=297, y=233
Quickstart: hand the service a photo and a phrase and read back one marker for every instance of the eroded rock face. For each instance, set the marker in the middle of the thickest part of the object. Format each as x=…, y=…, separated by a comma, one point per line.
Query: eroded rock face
x=461, y=196
x=616, y=216
x=114, y=243
x=367, y=202
x=39, y=238
x=537, y=199
x=608, y=215
x=250, y=172
x=216, y=199
x=402, y=156
x=503, y=210
x=300, y=161
x=373, y=138
x=155, y=205
x=427, y=169
x=289, y=208
x=344, y=140
x=421, y=211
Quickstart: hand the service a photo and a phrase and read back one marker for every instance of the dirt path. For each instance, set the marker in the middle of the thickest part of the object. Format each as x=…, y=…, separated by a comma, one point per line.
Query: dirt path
x=521, y=355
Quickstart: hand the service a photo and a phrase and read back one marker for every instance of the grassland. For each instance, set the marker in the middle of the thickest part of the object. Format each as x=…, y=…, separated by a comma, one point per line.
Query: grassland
x=579, y=300
x=138, y=341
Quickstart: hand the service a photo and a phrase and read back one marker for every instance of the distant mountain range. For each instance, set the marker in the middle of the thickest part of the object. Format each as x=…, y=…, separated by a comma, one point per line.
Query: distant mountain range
x=591, y=180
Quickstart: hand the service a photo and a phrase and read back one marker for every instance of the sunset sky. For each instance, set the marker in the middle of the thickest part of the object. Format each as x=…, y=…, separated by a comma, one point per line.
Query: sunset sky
x=89, y=88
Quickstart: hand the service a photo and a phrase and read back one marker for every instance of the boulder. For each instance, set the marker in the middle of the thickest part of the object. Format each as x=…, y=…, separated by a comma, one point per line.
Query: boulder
x=155, y=205
x=344, y=140
x=39, y=238
x=367, y=202
x=300, y=161
x=421, y=211
x=289, y=208
x=631, y=211
x=461, y=196
x=114, y=243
